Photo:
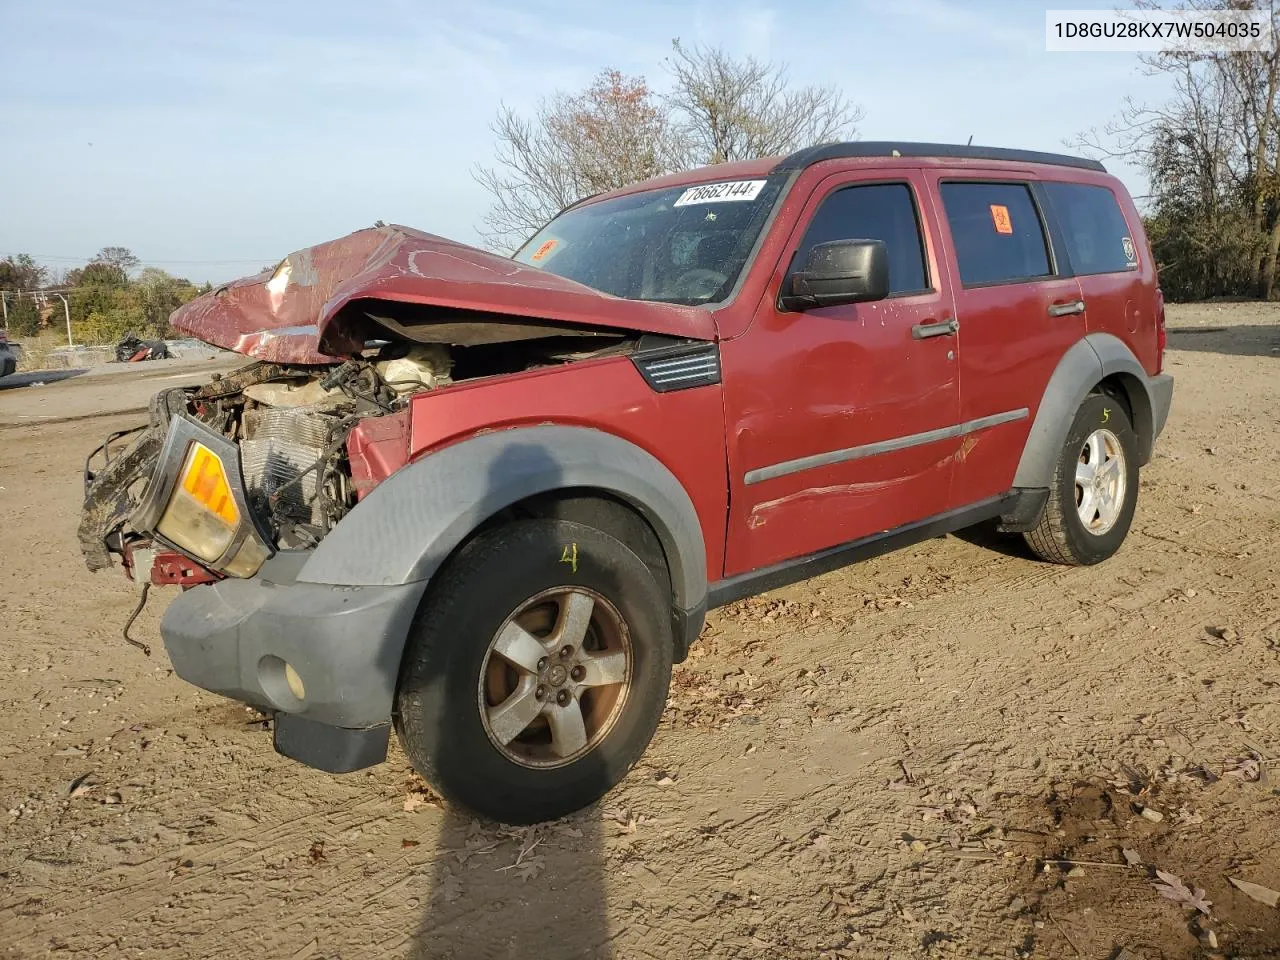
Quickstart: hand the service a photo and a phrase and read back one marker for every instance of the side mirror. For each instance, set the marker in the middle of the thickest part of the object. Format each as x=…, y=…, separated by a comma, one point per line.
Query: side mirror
x=840, y=271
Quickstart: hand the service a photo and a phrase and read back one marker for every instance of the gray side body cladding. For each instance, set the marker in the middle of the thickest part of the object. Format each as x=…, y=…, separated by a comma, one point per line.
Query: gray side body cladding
x=340, y=615
x=403, y=531
x=1090, y=360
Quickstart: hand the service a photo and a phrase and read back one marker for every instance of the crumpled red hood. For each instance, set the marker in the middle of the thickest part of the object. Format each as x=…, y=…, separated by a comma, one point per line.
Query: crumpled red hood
x=292, y=314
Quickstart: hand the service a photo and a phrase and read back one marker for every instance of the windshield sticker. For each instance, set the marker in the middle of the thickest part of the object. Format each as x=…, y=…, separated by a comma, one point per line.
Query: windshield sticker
x=1000, y=217
x=548, y=247
x=721, y=192
x=1130, y=254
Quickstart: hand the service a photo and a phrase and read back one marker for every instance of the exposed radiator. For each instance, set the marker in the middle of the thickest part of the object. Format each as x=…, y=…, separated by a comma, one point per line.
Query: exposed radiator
x=280, y=443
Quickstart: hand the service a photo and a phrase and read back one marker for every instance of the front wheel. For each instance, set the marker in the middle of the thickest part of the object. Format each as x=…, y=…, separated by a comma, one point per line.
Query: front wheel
x=1094, y=490
x=536, y=672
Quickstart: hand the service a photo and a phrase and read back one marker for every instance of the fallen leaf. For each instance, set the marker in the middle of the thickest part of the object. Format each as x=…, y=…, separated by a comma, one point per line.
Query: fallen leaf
x=1256, y=891
x=416, y=797
x=1131, y=857
x=317, y=851
x=1248, y=770
x=529, y=869
x=406, y=844
x=1174, y=889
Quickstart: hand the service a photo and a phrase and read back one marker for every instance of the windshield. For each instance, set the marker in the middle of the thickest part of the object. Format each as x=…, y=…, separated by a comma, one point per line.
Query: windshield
x=682, y=245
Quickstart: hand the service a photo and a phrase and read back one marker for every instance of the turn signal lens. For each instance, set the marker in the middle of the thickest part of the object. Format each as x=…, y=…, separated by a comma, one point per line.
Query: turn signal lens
x=201, y=516
x=205, y=480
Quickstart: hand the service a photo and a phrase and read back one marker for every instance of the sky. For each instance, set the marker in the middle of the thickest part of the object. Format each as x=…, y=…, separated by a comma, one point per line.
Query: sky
x=213, y=138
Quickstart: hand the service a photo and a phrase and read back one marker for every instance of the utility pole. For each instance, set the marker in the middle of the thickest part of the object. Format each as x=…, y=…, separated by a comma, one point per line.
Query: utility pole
x=67, y=310
x=4, y=304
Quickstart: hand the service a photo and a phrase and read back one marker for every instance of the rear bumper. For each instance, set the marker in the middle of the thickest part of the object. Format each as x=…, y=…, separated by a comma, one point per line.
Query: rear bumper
x=1160, y=388
x=345, y=643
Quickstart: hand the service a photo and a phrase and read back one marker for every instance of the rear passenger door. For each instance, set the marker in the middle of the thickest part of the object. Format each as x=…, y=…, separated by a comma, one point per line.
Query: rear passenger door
x=1105, y=257
x=1019, y=310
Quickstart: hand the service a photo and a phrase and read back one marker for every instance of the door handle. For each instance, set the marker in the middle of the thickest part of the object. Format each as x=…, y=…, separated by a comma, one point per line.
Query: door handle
x=1066, y=309
x=946, y=328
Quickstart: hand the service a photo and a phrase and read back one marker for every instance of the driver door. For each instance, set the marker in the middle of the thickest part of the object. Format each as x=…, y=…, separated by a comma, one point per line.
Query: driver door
x=839, y=415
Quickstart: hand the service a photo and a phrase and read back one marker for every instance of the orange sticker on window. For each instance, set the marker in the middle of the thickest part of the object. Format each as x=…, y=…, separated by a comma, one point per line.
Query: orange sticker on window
x=1000, y=217
x=543, y=250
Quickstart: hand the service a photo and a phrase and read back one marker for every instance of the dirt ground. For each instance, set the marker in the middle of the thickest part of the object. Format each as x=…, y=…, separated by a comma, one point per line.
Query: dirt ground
x=942, y=753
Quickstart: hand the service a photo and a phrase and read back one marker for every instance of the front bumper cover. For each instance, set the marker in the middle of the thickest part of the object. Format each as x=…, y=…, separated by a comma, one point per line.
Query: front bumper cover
x=344, y=642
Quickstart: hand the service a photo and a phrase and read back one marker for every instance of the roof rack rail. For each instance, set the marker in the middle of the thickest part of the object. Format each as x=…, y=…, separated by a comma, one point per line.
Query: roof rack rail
x=890, y=148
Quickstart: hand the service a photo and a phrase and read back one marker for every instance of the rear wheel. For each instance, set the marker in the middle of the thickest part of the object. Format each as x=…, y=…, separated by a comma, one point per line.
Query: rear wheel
x=1094, y=490
x=537, y=671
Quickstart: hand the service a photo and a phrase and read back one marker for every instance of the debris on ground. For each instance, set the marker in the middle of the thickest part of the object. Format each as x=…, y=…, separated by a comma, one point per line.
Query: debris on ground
x=1256, y=891
x=1173, y=888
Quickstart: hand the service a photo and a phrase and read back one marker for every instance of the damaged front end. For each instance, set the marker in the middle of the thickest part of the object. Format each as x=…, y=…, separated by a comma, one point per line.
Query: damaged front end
x=273, y=455
x=255, y=461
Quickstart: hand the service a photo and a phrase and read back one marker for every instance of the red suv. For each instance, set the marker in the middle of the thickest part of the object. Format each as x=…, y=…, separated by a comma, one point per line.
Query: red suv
x=490, y=500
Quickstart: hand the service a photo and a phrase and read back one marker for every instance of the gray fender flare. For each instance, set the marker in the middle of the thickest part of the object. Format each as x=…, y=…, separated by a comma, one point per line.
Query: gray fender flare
x=406, y=527
x=1089, y=361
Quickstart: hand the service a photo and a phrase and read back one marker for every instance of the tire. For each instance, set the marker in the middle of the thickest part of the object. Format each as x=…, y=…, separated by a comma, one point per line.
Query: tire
x=1062, y=535
x=453, y=680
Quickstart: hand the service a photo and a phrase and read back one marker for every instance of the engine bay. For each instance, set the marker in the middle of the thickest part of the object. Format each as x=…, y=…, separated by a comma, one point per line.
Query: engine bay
x=294, y=433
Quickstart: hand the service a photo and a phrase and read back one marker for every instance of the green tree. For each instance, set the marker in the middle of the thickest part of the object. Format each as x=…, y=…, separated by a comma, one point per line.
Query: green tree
x=160, y=294
x=24, y=317
x=97, y=274
x=21, y=273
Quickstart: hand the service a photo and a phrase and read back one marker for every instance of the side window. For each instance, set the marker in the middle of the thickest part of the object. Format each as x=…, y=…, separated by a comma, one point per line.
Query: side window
x=1096, y=233
x=881, y=211
x=997, y=232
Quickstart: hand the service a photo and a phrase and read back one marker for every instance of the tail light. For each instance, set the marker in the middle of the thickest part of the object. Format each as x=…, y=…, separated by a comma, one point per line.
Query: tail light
x=1161, y=335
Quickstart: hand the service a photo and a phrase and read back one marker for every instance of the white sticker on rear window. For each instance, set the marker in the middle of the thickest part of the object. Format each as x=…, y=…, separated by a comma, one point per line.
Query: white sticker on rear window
x=721, y=192
x=1130, y=254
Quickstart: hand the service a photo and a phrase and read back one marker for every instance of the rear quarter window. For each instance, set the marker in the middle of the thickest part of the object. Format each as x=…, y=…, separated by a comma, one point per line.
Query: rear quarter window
x=996, y=231
x=1094, y=228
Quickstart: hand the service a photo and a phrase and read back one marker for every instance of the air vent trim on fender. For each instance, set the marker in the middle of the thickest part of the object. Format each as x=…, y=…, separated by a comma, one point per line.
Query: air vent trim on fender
x=679, y=366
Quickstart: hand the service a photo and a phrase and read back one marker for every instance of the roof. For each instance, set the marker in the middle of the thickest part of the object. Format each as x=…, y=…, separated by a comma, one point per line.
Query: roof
x=763, y=166
x=890, y=148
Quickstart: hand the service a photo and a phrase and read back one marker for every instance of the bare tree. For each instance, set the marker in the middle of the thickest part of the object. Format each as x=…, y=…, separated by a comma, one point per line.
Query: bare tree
x=738, y=109
x=121, y=257
x=618, y=131
x=613, y=133
x=1212, y=155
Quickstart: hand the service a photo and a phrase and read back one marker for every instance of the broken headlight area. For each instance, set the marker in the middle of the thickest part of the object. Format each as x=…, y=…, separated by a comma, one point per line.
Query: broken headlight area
x=253, y=462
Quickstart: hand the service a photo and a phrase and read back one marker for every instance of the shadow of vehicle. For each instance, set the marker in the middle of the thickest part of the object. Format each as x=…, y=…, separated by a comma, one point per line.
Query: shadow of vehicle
x=508, y=892
x=548, y=902
x=988, y=536
x=1247, y=340
x=32, y=377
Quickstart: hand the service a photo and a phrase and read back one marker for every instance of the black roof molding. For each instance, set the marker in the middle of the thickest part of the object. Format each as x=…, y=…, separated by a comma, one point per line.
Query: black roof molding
x=889, y=148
